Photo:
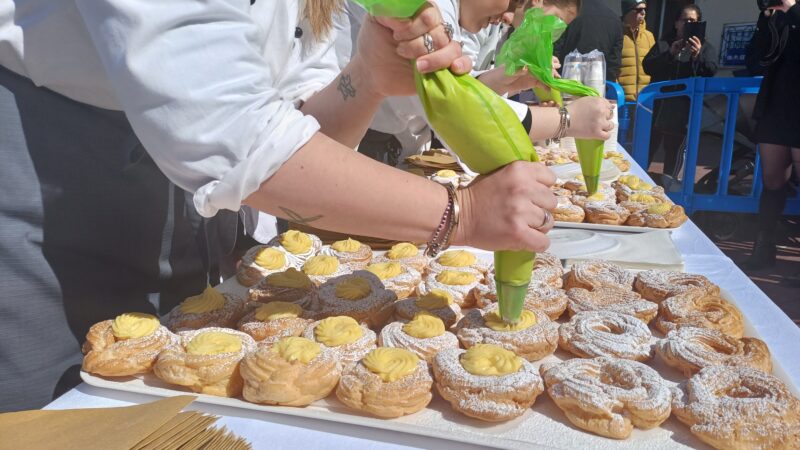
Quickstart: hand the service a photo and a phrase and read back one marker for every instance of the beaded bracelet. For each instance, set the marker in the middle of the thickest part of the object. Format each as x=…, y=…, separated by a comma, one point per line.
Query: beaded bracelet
x=443, y=235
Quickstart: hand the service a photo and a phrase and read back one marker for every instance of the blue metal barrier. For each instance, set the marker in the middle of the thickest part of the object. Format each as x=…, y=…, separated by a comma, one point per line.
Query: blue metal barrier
x=696, y=89
x=615, y=92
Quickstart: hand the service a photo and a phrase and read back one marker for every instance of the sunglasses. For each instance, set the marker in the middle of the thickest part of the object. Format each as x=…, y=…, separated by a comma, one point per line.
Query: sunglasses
x=641, y=10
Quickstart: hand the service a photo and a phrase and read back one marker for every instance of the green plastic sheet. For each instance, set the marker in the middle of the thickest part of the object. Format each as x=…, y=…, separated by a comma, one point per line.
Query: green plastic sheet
x=483, y=130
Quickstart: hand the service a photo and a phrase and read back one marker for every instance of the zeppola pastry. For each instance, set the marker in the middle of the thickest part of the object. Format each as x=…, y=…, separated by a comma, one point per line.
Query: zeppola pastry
x=261, y=261
x=272, y=321
x=658, y=285
x=690, y=349
x=605, y=213
x=424, y=335
x=322, y=268
x=360, y=295
x=350, y=252
x=405, y=253
x=542, y=297
x=437, y=302
x=640, y=201
x=400, y=278
x=608, y=396
x=566, y=211
x=606, y=333
x=533, y=337
x=127, y=345
x=547, y=269
x=739, y=408
x=299, y=246
x=209, y=309
x=486, y=382
x=659, y=215
x=387, y=382
x=294, y=371
x=459, y=284
x=461, y=260
x=348, y=340
x=206, y=361
x=291, y=286
x=592, y=274
x=697, y=309
x=627, y=185
x=611, y=298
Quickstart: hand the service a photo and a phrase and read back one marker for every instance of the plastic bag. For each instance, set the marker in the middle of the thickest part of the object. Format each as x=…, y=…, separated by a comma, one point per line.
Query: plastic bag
x=483, y=130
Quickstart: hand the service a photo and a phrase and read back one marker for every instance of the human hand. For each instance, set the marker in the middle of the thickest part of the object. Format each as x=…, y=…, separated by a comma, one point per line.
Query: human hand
x=695, y=45
x=784, y=6
x=676, y=47
x=556, y=66
x=505, y=210
x=385, y=45
x=590, y=118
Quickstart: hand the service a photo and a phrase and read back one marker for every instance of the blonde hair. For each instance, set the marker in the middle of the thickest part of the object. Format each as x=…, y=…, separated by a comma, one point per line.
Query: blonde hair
x=320, y=15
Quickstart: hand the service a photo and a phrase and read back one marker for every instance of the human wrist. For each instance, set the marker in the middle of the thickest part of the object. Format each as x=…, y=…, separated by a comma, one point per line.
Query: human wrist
x=460, y=231
x=363, y=79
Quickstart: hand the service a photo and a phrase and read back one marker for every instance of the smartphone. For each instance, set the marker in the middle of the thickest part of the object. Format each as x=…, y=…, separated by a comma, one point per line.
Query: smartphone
x=697, y=29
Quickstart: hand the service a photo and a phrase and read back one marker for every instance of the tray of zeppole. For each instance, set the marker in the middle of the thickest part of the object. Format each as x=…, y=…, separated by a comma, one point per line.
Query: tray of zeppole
x=601, y=357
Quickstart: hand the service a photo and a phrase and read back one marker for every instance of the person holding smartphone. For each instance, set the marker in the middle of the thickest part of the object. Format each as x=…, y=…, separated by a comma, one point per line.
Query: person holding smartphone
x=774, y=52
x=680, y=55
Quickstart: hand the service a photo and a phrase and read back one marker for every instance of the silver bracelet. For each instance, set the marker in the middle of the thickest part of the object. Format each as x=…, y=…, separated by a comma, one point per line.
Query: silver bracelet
x=563, y=124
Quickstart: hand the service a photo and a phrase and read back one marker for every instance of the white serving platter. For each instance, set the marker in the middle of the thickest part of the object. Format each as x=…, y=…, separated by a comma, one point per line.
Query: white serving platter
x=603, y=227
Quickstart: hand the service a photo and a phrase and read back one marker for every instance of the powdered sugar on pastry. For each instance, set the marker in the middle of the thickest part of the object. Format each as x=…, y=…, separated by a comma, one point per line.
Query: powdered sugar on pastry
x=606, y=333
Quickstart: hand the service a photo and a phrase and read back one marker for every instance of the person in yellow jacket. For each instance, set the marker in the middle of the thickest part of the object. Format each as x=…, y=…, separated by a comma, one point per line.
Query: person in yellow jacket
x=637, y=41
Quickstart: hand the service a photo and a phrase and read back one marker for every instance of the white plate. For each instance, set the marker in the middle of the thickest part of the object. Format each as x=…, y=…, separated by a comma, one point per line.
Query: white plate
x=602, y=227
x=571, y=243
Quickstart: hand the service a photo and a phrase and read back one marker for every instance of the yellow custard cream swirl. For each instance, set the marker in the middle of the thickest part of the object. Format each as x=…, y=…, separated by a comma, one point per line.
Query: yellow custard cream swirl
x=455, y=278
x=659, y=208
x=321, y=265
x=296, y=349
x=270, y=259
x=457, y=258
x=214, y=343
x=390, y=364
x=346, y=246
x=134, y=325
x=526, y=320
x=336, y=331
x=209, y=300
x=402, y=250
x=434, y=299
x=296, y=242
x=424, y=326
x=278, y=310
x=490, y=360
x=353, y=288
x=386, y=270
x=289, y=278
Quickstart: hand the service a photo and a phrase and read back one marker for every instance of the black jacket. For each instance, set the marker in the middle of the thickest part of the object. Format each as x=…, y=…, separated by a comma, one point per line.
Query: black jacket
x=783, y=75
x=672, y=115
x=596, y=27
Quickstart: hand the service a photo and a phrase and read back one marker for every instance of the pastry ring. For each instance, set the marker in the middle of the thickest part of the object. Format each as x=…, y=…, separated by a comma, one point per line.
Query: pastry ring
x=696, y=309
x=566, y=211
x=608, y=396
x=112, y=356
x=350, y=252
x=395, y=335
x=291, y=285
x=214, y=372
x=459, y=284
x=347, y=339
x=267, y=323
x=592, y=274
x=531, y=341
x=672, y=216
x=738, y=408
x=403, y=279
x=658, y=285
x=299, y=246
x=405, y=253
x=606, y=333
x=547, y=299
x=459, y=260
x=611, y=298
x=442, y=307
x=321, y=268
x=690, y=349
x=209, y=309
x=260, y=261
x=293, y=372
x=605, y=213
x=491, y=398
x=360, y=295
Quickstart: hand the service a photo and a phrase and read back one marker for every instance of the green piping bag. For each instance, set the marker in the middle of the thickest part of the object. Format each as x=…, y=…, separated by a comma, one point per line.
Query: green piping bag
x=531, y=46
x=482, y=129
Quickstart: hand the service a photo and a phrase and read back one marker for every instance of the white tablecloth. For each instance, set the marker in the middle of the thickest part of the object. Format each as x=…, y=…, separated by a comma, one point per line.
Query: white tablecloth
x=276, y=431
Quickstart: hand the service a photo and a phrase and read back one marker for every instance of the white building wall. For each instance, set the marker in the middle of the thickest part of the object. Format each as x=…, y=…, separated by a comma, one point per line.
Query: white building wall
x=717, y=13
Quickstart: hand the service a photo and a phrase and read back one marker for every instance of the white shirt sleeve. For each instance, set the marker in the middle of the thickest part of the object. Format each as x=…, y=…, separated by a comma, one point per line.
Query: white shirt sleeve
x=191, y=79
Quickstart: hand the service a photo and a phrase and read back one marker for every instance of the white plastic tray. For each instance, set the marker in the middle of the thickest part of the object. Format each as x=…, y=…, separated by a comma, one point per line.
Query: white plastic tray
x=602, y=227
x=543, y=426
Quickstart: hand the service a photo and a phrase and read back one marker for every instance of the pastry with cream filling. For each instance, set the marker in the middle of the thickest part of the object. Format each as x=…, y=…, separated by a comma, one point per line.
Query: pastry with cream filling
x=459, y=284
x=322, y=268
x=405, y=253
x=436, y=301
x=342, y=335
x=299, y=246
x=425, y=335
x=350, y=252
x=261, y=261
x=211, y=308
x=291, y=286
x=269, y=322
x=403, y=279
x=360, y=295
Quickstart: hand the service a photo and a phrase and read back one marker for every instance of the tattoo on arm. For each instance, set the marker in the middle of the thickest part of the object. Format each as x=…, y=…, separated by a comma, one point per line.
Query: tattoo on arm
x=346, y=87
x=297, y=218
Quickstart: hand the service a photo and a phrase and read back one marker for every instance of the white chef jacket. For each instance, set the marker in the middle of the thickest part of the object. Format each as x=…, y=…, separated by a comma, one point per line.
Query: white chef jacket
x=200, y=82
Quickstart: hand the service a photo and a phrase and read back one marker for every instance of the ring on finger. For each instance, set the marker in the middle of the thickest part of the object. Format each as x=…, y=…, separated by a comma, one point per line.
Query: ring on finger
x=548, y=217
x=427, y=41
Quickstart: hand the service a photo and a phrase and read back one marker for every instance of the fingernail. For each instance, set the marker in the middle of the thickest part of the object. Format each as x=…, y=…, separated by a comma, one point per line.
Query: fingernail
x=423, y=65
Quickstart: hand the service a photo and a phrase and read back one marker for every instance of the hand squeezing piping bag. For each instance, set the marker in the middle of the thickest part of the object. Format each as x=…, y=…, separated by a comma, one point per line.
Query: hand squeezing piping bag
x=480, y=127
x=531, y=46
